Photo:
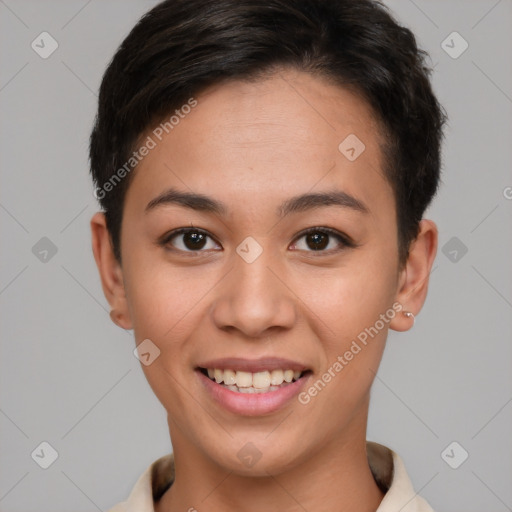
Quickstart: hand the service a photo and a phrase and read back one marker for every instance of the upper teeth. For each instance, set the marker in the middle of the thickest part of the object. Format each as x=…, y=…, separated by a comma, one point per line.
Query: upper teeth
x=259, y=380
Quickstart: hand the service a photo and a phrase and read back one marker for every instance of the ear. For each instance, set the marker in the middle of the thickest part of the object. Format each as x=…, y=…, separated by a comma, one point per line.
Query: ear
x=414, y=277
x=110, y=271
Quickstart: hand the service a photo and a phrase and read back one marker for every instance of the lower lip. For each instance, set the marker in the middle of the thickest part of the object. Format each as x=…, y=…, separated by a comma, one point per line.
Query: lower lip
x=251, y=404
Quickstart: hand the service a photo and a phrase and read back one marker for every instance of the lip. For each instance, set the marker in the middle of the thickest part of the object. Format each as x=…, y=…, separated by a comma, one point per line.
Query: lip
x=253, y=365
x=251, y=404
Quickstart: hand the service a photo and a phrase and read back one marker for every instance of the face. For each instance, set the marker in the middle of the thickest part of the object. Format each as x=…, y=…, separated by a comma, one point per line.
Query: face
x=266, y=279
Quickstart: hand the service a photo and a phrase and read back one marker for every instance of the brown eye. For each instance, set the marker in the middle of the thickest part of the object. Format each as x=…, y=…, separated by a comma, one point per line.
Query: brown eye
x=188, y=240
x=194, y=241
x=317, y=241
x=321, y=240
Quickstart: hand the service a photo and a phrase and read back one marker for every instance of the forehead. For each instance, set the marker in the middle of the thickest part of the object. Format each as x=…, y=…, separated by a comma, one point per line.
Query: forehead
x=280, y=137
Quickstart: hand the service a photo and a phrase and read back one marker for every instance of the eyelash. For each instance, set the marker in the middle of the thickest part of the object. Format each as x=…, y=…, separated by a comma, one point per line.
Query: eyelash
x=345, y=241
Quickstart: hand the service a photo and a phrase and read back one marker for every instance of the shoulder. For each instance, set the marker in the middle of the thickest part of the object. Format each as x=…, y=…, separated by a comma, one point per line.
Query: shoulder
x=150, y=486
x=390, y=474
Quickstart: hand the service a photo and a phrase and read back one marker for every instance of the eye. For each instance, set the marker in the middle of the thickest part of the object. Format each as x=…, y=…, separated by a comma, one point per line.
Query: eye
x=318, y=239
x=188, y=240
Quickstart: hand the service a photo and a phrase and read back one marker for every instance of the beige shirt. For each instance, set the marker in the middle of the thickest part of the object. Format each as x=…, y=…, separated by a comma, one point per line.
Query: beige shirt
x=386, y=466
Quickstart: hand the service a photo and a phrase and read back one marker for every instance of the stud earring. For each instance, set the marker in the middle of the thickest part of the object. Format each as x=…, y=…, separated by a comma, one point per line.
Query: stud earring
x=408, y=314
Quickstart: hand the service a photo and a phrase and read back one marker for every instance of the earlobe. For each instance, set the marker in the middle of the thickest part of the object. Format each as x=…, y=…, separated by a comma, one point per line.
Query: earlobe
x=414, y=278
x=110, y=271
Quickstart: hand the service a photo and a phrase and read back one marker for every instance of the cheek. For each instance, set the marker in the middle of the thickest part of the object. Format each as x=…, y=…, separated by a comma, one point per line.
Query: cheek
x=350, y=298
x=161, y=297
x=161, y=302
x=349, y=304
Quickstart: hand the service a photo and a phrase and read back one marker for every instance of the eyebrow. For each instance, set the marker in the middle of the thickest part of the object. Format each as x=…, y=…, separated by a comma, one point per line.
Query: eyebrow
x=300, y=203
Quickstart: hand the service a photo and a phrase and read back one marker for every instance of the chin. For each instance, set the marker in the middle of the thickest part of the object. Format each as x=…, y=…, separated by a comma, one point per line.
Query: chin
x=257, y=458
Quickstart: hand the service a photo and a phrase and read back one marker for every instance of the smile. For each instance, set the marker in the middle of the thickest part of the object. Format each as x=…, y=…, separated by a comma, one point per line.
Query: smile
x=241, y=381
x=252, y=387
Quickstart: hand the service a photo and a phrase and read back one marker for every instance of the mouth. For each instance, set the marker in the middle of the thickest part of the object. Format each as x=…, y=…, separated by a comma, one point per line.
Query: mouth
x=252, y=388
x=241, y=381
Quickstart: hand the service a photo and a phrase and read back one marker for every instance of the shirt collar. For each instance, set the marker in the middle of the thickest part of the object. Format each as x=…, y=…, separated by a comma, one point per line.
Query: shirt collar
x=387, y=468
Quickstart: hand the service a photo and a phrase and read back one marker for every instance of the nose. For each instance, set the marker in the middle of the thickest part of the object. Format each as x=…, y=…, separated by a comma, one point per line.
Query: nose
x=254, y=298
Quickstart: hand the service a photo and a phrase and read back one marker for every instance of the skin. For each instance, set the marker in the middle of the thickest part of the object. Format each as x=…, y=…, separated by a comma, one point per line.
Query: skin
x=253, y=146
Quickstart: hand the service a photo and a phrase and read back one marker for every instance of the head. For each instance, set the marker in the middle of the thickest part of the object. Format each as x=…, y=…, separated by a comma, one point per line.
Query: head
x=215, y=117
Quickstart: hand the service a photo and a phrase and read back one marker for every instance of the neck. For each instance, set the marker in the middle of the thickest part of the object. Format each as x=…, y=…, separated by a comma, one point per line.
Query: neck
x=334, y=476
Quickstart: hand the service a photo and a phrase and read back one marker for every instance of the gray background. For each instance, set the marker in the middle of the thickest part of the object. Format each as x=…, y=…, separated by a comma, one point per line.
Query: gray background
x=68, y=375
